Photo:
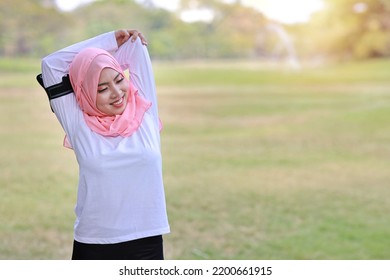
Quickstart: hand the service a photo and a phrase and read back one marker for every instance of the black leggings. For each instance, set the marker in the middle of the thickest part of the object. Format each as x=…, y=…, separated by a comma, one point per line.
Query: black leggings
x=149, y=248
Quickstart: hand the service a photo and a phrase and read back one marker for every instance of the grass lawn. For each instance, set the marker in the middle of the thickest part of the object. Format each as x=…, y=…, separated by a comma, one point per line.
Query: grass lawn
x=258, y=163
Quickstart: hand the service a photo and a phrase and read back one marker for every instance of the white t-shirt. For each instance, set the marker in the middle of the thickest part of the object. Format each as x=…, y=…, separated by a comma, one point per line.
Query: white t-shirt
x=120, y=190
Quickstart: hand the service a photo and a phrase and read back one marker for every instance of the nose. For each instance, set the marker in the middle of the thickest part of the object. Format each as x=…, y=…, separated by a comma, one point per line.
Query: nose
x=116, y=91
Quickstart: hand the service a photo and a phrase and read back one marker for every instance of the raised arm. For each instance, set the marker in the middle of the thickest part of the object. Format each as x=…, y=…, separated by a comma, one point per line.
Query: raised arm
x=56, y=65
x=134, y=56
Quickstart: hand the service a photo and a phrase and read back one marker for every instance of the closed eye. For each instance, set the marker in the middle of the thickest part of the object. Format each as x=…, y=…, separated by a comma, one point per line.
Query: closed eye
x=102, y=87
x=102, y=90
x=120, y=80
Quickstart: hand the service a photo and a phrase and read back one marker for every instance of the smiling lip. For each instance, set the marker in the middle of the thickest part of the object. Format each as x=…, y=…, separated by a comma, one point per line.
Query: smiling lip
x=119, y=102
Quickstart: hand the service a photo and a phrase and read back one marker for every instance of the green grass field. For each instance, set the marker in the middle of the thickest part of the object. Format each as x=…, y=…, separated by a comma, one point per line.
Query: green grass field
x=258, y=164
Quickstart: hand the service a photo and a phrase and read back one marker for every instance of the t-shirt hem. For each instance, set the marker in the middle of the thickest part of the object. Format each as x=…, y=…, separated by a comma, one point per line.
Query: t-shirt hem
x=130, y=237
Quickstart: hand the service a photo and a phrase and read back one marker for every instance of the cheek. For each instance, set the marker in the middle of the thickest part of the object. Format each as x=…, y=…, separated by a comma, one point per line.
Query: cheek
x=125, y=85
x=100, y=100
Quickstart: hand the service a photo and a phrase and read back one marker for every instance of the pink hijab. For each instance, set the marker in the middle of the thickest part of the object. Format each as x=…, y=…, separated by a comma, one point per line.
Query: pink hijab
x=84, y=73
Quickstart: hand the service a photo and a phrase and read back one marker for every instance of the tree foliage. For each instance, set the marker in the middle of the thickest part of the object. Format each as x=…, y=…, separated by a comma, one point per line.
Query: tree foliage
x=343, y=29
x=353, y=28
x=32, y=27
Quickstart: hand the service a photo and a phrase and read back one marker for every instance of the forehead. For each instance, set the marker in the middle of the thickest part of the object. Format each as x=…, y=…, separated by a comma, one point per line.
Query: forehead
x=108, y=74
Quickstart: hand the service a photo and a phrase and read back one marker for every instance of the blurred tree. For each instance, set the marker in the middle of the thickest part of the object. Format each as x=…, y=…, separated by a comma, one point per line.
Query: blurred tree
x=159, y=25
x=29, y=27
x=353, y=28
x=103, y=16
x=233, y=31
x=344, y=29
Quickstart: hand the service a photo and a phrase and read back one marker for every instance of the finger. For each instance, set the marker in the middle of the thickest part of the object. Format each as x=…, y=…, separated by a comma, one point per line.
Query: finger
x=134, y=35
x=121, y=36
x=143, y=39
x=126, y=34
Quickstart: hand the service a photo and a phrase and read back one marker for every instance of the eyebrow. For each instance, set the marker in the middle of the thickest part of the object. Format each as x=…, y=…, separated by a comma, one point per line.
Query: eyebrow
x=106, y=83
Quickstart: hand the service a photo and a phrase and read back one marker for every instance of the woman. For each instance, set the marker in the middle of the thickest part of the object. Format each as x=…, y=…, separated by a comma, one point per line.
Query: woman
x=112, y=124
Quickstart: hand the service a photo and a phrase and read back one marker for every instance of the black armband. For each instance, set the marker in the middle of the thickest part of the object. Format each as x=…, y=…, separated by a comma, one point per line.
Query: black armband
x=57, y=90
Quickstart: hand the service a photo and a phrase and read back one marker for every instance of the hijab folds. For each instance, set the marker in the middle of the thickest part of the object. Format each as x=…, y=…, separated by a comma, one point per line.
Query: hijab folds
x=84, y=73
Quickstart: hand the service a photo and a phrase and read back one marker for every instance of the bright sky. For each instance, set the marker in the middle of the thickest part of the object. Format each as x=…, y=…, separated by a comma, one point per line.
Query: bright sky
x=68, y=5
x=287, y=11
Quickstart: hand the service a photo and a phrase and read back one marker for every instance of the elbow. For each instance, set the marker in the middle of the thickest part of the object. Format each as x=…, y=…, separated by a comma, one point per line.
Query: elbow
x=46, y=72
x=52, y=70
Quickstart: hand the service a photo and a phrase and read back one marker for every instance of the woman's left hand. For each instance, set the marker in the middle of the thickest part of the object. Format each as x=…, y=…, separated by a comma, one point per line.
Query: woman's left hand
x=123, y=35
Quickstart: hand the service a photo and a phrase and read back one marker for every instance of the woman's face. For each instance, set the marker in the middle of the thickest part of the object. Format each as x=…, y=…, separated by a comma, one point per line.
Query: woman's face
x=112, y=92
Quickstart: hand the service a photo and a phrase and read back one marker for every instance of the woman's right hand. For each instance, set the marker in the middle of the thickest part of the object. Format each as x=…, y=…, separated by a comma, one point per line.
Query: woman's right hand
x=122, y=35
